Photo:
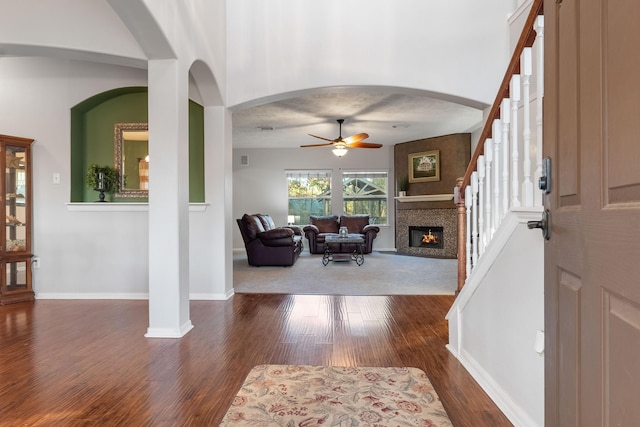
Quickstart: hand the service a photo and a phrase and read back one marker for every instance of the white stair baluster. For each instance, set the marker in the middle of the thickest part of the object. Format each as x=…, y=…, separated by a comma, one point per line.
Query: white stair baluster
x=488, y=160
x=474, y=220
x=467, y=205
x=481, y=229
x=527, y=186
x=497, y=143
x=505, y=115
x=539, y=28
x=514, y=92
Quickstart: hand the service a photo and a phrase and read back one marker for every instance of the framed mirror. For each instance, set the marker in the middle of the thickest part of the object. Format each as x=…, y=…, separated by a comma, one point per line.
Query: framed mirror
x=131, y=142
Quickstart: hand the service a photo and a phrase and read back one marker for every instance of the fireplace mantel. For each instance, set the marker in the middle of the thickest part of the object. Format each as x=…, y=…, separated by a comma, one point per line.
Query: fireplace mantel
x=425, y=198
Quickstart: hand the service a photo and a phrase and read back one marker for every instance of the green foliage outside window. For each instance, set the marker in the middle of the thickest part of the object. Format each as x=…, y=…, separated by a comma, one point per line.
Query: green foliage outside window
x=309, y=194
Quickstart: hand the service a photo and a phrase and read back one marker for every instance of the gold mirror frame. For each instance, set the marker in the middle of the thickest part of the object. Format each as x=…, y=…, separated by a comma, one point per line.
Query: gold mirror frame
x=119, y=129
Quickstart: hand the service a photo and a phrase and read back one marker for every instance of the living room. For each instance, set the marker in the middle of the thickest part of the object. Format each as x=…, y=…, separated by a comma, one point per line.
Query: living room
x=259, y=178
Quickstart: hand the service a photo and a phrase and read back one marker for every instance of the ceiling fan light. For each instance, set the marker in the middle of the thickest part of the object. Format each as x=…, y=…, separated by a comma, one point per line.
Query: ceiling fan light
x=340, y=150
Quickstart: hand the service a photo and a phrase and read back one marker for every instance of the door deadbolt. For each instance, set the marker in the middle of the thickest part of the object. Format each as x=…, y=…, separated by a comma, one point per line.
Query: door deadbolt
x=543, y=224
x=544, y=182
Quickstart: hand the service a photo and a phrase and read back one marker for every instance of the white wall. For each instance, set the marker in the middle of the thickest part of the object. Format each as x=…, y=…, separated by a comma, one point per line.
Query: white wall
x=260, y=186
x=79, y=252
x=76, y=29
x=440, y=46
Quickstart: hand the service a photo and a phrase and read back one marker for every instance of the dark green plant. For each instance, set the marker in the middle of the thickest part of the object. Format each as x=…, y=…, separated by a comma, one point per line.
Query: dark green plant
x=110, y=177
x=403, y=183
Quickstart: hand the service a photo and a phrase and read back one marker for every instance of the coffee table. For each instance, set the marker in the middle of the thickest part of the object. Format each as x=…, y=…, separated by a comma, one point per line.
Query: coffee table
x=357, y=255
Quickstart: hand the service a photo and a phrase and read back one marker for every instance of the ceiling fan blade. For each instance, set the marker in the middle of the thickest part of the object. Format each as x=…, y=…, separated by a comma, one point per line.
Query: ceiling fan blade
x=317, y=145
x=364, y=145
x=356, y=138
x=319, y=137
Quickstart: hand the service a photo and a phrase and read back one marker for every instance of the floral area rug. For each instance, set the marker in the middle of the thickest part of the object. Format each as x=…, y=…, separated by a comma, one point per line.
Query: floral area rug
x=302, y=396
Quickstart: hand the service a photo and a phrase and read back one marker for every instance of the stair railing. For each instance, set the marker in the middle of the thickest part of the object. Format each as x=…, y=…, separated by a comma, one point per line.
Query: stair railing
x=499, y=177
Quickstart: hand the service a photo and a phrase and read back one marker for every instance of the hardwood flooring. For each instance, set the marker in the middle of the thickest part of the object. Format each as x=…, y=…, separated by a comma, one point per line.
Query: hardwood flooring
x=87, y=363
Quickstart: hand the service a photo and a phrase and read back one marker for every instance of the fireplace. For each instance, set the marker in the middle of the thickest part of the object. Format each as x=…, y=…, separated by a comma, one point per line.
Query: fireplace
x=441, y=222
x=426, y=237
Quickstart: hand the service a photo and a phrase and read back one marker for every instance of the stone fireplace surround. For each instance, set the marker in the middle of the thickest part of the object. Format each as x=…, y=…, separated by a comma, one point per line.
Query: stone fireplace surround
x=446, y=218
x=455, y=154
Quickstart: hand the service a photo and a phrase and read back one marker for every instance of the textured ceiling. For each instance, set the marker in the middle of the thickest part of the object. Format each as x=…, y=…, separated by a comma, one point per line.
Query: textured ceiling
x=389, y=118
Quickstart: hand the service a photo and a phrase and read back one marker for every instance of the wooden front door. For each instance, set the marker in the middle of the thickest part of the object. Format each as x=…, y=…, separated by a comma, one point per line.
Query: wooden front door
x=592, y=261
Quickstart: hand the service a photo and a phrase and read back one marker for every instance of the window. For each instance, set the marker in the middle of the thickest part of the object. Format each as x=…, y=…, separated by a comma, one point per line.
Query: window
x=365, y=193
x=309, y=194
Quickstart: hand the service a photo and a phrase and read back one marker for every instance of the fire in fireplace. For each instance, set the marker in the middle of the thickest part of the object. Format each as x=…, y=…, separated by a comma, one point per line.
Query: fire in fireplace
x=426, y=237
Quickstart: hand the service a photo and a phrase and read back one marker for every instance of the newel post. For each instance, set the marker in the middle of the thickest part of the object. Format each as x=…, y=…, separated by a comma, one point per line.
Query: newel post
x=462, y=235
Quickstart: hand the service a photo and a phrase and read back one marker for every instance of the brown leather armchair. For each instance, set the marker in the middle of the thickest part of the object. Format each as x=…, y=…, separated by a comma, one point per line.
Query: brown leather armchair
x=267, y=244
x=322, y=226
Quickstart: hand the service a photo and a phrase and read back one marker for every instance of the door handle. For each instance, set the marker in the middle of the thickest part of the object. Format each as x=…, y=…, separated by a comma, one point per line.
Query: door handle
x=543, y=224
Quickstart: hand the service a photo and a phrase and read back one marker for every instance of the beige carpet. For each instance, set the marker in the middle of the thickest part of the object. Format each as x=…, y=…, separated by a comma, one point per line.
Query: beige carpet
x=299, y=395
x=381, y=274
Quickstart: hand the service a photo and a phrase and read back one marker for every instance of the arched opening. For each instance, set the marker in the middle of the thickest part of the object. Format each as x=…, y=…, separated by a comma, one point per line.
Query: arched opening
x=92, y=138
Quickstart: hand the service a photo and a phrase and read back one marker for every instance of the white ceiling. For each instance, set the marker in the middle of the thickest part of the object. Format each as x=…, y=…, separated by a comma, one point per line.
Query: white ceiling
x=389, y=117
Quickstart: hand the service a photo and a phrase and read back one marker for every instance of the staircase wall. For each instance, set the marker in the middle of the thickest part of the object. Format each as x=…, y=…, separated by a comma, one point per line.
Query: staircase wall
x=494, y=322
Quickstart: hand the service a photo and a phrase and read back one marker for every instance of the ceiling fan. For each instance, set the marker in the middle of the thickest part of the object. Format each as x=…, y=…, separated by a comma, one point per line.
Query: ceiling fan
x=342, y=144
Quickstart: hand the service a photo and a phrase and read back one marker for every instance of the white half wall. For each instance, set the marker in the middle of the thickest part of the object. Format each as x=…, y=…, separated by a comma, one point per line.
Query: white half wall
x=495, y=319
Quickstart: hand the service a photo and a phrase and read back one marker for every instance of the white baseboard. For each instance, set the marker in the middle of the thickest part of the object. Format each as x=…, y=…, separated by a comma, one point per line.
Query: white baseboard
x=452, y=350
x=169, y=332
x=507, y=405
x=101, y=295
x=128, y=296
x=212, y=297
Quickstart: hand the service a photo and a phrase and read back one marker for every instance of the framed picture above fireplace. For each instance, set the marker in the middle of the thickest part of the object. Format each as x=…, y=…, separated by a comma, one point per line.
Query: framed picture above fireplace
x=425, y=166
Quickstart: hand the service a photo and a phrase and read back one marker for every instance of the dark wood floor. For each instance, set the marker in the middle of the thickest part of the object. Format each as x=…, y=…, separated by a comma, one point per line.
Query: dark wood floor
x=85, y=363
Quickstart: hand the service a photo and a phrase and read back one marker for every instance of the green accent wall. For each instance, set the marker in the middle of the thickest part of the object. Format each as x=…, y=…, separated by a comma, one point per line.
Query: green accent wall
x=92, y=139
x=196, y=152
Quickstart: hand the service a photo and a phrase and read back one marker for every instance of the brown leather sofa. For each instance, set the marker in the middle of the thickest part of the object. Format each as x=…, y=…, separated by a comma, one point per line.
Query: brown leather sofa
x=322, y=226
x=267, y=244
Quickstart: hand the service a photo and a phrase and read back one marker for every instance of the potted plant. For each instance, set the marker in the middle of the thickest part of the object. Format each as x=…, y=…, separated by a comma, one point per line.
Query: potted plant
x=102, y=178
x=403, y=184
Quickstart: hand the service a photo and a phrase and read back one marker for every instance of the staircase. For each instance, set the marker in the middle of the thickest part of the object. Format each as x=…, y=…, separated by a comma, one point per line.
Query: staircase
x=497, y=320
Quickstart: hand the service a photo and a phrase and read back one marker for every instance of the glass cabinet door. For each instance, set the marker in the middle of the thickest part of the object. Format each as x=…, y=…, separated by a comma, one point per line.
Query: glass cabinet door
x=16, y=276
x=16, y=199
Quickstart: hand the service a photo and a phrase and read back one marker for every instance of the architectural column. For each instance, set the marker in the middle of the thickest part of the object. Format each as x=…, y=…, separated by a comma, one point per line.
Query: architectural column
x=168, y=200
x=218, y=193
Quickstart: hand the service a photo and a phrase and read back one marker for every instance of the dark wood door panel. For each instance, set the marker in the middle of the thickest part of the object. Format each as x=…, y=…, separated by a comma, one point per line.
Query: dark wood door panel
x=568, y=156
x=622, y=100
x=621, y=338
x=613, y=250
x=570, y=330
